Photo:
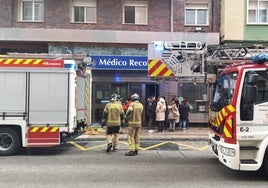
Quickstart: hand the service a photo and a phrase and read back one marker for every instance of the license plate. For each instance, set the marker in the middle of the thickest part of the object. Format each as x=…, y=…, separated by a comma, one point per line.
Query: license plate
x=214, y=147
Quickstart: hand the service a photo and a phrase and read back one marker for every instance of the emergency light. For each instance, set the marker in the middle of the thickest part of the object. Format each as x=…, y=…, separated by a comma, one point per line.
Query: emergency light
x=260, y=58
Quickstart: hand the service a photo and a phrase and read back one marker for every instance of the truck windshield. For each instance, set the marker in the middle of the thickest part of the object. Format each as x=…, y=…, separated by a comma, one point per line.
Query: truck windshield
x=224, y=90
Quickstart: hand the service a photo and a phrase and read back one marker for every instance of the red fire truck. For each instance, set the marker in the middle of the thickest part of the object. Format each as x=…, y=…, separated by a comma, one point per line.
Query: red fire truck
x=238, y=115
x=238, y=106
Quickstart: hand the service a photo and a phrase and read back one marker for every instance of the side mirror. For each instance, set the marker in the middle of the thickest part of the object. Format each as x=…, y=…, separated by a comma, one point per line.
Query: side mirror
x=250, y=90
x=250, y=93
x=252, y=79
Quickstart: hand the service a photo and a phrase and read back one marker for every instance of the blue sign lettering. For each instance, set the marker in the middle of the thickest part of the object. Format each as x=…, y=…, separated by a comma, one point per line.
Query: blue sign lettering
x=119, y=62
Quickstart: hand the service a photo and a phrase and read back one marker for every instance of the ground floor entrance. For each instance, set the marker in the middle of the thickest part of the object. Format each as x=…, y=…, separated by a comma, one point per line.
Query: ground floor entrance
x=105, y=83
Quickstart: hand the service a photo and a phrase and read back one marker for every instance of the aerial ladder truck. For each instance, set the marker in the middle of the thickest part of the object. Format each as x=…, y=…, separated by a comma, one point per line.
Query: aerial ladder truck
x=238, y=109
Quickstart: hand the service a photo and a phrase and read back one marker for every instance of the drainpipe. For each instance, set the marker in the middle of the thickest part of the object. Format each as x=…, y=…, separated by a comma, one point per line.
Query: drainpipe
x=12, y=13
x=171, y=15
x=212, y=15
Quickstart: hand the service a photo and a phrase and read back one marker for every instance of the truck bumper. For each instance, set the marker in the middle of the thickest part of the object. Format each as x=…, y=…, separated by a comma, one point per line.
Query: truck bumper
x=228, y=154
x=43, y=136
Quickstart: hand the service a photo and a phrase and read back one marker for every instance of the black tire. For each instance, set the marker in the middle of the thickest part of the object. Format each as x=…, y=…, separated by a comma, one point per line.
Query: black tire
x=10, y=141
x=264, y=168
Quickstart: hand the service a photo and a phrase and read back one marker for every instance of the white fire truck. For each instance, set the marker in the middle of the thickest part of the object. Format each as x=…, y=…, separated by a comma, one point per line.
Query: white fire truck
x=42, y=102
x=238, y=109
x=238, y=116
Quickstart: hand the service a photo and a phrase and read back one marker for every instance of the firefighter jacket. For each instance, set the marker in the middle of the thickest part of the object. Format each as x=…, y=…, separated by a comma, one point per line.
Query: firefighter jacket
x=134, y=114
x=113, y=114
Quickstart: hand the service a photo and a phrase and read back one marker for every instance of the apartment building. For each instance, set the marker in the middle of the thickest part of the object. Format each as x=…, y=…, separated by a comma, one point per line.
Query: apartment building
x=113, y=33
x=244, y=21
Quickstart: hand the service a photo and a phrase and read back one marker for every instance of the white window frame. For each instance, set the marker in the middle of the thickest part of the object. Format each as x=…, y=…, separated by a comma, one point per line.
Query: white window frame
x=34, y=15
x=141, y=12
x=254, y=10
x=196, y=9
x=89, y=8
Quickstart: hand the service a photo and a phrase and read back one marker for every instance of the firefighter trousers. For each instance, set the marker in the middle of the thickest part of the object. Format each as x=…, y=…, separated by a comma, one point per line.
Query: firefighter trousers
x=112, y=136
x=134, y=138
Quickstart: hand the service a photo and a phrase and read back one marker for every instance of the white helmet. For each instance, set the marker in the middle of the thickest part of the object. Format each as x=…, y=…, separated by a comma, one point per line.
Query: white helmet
x=135, y=96
x=114, y=97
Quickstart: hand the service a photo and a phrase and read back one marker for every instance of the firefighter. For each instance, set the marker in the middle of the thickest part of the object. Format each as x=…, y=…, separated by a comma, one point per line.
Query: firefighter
x=134, y=119
x=113, y=118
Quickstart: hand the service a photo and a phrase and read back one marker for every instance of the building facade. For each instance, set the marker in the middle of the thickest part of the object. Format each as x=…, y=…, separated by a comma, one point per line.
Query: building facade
x=244, y=21
x=112, y=31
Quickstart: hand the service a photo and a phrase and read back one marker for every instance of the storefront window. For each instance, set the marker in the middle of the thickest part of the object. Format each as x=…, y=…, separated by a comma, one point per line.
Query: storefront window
x=120, y=89
x=136, y=88
x=194, y=92
x=102, y=93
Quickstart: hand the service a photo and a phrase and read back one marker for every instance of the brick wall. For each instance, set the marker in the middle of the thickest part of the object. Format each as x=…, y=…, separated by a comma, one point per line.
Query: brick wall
x=109, y=16
x=5, y=13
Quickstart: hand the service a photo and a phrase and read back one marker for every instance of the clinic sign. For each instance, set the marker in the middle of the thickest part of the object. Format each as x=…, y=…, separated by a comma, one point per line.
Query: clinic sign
x=119, y=62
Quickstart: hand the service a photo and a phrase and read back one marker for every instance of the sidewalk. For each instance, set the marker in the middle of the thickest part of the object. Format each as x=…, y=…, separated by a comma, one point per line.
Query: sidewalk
x=192, y=133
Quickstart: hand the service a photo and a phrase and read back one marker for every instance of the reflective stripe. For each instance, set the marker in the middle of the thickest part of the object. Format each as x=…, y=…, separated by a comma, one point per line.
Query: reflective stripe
x=228, y=128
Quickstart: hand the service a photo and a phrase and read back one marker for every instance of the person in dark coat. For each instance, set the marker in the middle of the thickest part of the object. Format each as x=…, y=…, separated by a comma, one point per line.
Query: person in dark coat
x=184, y=110
x=151, y=105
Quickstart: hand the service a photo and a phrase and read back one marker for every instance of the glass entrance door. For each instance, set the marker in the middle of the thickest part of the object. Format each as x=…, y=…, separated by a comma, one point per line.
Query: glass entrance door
x=120, y=89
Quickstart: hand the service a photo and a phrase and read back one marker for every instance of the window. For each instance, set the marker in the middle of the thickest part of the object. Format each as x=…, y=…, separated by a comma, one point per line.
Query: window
x=257, y=11
x=84, y=11
x=254, y=94
x=262, y=84
x=32, y=10
x=196, y=14
x=135, y=12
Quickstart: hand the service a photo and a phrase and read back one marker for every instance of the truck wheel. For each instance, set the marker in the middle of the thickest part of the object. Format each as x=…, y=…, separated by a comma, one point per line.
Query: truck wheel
x=9, y=141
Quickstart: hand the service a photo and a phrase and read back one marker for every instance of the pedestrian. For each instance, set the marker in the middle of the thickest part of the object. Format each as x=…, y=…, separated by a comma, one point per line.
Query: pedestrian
x=126, y=104
x=160, y=114
x=166, y=124
x=134, y=119
x=113, y=118
x=151, y=105
x=176, y=99
x=125, y=107
x=173, y=114
x=184, y=109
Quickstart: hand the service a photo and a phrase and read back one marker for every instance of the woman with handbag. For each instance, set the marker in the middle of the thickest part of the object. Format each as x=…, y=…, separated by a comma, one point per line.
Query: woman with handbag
x=173, y=114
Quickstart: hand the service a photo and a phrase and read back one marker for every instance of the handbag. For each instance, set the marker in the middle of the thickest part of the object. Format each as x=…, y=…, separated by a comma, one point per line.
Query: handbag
x=178, y=119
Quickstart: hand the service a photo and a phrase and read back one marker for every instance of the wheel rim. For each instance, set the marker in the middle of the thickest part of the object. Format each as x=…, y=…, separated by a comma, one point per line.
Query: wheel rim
x=6, y=141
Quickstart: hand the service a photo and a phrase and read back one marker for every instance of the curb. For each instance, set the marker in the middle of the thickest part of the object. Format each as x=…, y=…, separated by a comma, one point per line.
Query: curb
x=194, y=134
x=147, y=139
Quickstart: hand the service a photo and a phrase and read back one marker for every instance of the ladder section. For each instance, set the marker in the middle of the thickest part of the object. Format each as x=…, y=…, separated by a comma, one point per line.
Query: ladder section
x=189, y=58
x=234, y=52
x=185, y=63
x=182, y=58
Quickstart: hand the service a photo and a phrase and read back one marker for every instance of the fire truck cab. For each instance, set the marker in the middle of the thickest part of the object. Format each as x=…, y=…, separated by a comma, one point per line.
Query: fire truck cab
x=238, y=115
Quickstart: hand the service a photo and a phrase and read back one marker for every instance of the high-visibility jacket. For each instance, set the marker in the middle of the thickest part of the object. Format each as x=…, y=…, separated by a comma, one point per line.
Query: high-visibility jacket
x=113, y=114
x=134, y=114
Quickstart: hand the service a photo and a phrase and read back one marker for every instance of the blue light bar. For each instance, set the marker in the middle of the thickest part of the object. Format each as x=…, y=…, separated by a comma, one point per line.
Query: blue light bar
x=260, y=58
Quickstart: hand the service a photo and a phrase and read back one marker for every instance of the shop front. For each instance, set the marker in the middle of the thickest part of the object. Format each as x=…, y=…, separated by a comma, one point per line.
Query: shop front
x=124, y=75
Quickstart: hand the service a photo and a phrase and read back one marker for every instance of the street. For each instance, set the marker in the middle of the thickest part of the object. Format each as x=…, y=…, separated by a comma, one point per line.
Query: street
x=86, y=164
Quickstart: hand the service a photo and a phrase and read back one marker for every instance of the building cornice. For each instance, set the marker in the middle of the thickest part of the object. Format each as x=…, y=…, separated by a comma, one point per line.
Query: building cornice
x=102, y=36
